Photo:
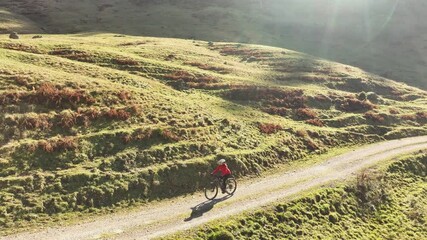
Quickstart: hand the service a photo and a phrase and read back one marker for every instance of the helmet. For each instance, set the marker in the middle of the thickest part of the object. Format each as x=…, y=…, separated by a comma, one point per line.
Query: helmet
x=221, y=161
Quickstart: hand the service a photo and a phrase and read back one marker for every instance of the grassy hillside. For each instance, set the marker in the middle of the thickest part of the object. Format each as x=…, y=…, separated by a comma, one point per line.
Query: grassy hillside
x=381, y=204
x=10, y=22
x=101, y=121
x=387, y=37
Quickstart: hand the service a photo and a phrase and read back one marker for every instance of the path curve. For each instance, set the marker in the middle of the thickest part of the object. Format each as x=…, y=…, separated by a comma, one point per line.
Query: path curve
x=159, y=219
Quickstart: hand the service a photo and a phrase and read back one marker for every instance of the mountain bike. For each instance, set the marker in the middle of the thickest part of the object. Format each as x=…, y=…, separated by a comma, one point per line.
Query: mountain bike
x=211, y=190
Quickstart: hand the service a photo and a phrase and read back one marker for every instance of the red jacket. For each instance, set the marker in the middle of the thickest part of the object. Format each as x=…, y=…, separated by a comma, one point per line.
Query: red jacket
x=223, y=168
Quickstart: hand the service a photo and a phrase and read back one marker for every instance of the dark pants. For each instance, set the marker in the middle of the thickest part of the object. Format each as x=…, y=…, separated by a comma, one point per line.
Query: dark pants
x=224, y=178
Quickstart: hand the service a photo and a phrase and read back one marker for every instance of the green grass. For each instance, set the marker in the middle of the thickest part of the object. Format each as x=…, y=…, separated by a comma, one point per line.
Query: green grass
x=94, y=123
x=385, y=203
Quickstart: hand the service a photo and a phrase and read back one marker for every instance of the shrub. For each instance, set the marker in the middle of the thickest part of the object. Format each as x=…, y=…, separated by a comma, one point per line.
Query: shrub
x=370, y=189
x=127, y=138
x=270, y=97
x=246, y=53
x=8, y=98
x=120, y=114
x=22, y=47
x=322, y=98
x=374, y=117
x=45, y=146
x=84, y=116
x=124, y=95
x=269, y=128
x=281, y=111
x=306, y=113
x=372, y=97
x=183, y=79
x=180, y=75
x=409, y=117
x=169, y=135
x=324, y=209
x=311, y=145
x=393, y=111
x=22, y=80
x=139, y=134
x=51, y=95
x=92, y=113
x=205, y=66
x=301, y=133
x=421, y=117
x=135, y=109
x=315, y=122
x=221, y=235
x=355, y=105
x=32, y=121
x=66, y=143
x=68, y=118
x=72, y=54
x=334, y=217
x=362, y=96
x=59, y=144
x=125, y=62
x=132, y=43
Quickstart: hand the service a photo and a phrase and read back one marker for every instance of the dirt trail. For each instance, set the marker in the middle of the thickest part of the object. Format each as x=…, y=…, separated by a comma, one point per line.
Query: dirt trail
x=159, y=219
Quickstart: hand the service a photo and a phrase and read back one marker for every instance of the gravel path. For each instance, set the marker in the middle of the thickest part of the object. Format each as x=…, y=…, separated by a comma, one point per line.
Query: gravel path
x=159, y=219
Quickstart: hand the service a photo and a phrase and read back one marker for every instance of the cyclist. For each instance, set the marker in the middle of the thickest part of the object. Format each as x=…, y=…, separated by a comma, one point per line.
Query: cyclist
x=225, y=172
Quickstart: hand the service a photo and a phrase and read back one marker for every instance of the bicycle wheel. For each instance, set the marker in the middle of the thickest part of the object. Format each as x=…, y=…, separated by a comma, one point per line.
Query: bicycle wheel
x=230, y=186
x=211, y=190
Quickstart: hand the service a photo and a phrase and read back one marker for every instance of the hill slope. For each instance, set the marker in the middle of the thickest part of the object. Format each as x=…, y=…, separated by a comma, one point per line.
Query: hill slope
x=10, y=22
x=387, y=37
x=93, y=122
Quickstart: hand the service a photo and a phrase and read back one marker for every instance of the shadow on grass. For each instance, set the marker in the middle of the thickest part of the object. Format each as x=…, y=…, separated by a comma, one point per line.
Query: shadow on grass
x=201, y=208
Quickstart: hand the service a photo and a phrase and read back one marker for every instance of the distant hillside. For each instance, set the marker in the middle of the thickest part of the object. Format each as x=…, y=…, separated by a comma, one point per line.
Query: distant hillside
x=95, y=122
x=10, y=21
x=387, y=37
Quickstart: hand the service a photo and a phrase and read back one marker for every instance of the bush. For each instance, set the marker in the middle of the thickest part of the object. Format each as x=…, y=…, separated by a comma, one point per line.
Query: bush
x=59, y=144
x=68, y=118
x=355, y=105
x=269, y=128
x=362, y=96
x=183, y=79
x=221, y=235
x=370, y=189
x=281, y=111
x=393, y=111
x=306, y=113
x=315, y=122
x=72, y=54
x=125, y=62
x=372, y=97
x=375, y=117
x=169, y=135
x=205, y=66
x=334, y=217
x=269, y=97
x=33, y=121
x=421, y=117
x=49, y=94
x=119, y=114
x=124, y=95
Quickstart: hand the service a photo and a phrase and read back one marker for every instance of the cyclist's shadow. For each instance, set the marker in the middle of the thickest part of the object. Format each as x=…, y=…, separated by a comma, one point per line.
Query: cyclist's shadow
x=201, y=208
